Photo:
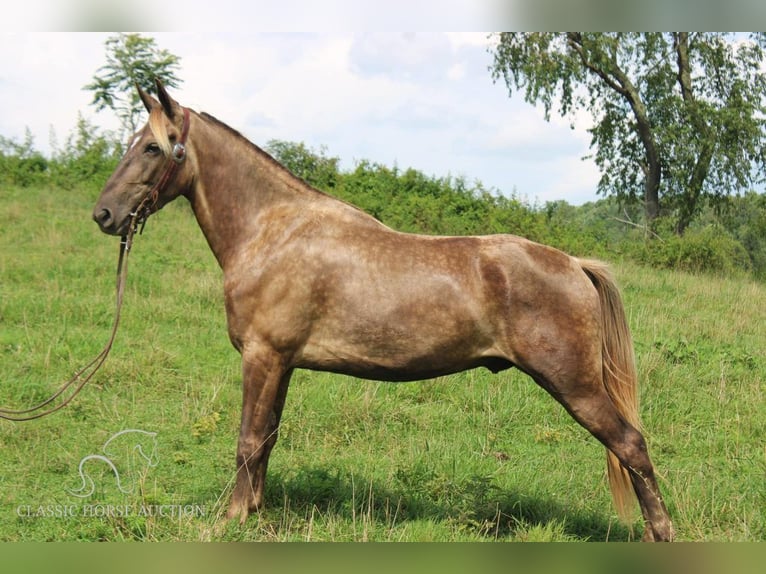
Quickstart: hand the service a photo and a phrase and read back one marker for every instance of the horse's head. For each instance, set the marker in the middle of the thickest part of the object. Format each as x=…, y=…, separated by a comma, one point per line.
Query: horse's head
x=154, y=170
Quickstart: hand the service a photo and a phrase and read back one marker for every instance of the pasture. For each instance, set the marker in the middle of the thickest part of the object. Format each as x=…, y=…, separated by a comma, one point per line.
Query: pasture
x=470, y=457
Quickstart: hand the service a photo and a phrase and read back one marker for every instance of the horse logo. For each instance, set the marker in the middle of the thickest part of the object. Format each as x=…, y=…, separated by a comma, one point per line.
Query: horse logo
x=135, y=449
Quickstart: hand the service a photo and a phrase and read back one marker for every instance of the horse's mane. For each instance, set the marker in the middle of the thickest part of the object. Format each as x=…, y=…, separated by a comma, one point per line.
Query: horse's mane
x=212, y=119
x=266, y=156
x=157, y=126
x=160, y=132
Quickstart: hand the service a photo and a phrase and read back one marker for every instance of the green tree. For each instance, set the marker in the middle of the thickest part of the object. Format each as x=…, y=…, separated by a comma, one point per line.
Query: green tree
x=679, y=117
x=131, y=60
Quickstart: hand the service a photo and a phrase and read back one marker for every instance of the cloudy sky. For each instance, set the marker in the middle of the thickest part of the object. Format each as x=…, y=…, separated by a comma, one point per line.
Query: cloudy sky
x=422, y=100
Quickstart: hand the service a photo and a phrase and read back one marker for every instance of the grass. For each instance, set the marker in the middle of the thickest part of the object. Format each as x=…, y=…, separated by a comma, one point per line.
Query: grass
x=471, y=457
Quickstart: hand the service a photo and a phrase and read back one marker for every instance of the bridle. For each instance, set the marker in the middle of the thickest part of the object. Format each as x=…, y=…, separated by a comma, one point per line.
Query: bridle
x=177, y=156
x=138, y=216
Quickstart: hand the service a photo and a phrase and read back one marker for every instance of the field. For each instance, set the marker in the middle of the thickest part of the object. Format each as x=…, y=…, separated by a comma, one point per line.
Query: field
x=471, y=457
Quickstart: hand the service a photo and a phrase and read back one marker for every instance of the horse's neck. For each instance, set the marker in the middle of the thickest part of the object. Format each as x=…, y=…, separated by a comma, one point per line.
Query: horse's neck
x=235, y=185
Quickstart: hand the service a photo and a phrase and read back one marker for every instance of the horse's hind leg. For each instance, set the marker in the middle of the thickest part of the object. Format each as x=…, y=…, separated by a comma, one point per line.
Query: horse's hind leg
x=591, y=406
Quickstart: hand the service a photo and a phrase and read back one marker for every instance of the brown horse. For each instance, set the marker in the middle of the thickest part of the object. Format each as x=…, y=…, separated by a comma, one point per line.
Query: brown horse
x=312, y=282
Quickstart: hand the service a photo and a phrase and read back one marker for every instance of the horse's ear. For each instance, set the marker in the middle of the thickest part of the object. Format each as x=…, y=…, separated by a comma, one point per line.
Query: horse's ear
x=149, y=101
x=169, y=105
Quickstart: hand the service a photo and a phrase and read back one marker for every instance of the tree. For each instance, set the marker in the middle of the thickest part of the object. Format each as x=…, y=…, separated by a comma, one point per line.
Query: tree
x=679, y=117
x=131, y=59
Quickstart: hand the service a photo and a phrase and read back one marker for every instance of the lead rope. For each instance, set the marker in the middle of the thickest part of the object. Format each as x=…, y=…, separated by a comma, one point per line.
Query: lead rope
x=138, y=217
x=85, y=373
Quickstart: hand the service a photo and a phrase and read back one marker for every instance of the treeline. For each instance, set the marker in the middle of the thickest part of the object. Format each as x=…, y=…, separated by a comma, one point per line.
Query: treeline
x=729, y=238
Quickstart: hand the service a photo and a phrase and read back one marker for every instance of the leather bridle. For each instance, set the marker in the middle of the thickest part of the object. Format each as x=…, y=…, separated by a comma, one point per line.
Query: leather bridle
x=177, y=156
x=140, y=214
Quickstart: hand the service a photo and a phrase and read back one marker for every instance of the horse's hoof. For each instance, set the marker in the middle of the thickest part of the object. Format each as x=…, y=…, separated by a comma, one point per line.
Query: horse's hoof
x=237, y=510
x=662, y=533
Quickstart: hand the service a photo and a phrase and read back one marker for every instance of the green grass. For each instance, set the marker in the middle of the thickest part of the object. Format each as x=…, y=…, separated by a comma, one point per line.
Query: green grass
x=471, y=457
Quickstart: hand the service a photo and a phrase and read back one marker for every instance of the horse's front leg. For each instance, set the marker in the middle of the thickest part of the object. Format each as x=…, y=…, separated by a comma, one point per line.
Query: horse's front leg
x=264, y=388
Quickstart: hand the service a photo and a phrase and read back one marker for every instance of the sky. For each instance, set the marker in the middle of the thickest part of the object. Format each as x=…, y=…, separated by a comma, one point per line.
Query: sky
x=421, y=100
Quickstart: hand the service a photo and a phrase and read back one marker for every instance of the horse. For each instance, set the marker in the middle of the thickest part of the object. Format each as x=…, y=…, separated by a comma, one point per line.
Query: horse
x=312, y=282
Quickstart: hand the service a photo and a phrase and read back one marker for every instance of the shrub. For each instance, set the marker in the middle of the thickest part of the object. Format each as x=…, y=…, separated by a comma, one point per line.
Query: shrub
x=88, y=158
x=706, y=249
x=20, y=163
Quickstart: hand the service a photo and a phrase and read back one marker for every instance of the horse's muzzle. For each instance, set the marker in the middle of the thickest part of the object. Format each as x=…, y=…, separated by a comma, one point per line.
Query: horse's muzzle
x=107, y=222
x=104, y=218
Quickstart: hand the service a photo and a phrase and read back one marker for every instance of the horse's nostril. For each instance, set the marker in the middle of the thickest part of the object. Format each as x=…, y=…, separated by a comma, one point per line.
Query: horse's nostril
x=103, y=217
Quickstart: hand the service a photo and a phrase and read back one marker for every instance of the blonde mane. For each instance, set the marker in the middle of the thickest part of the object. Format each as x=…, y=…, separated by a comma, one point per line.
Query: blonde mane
x=160, y=132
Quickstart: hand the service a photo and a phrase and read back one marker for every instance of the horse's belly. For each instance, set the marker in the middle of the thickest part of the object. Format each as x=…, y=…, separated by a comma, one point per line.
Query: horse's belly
x=398, y=353
x=387, y=371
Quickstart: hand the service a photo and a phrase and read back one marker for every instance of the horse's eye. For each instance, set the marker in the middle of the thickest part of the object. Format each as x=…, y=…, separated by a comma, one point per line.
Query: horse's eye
x=152, y=149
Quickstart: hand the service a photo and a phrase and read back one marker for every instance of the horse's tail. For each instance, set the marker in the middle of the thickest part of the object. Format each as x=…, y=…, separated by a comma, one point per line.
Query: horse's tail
x=619, y=375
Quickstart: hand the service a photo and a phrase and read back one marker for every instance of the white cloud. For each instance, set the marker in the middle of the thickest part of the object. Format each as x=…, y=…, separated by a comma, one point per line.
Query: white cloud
x=42, y=78
x=425, y=100
x=456, y=71
x=470, y=39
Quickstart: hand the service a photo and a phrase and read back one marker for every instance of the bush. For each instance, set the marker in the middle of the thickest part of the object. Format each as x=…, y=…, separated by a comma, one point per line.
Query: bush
x=706, y=249
x=314, y=167
x=745, y=218
x=20, y=163
x=88, y=158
